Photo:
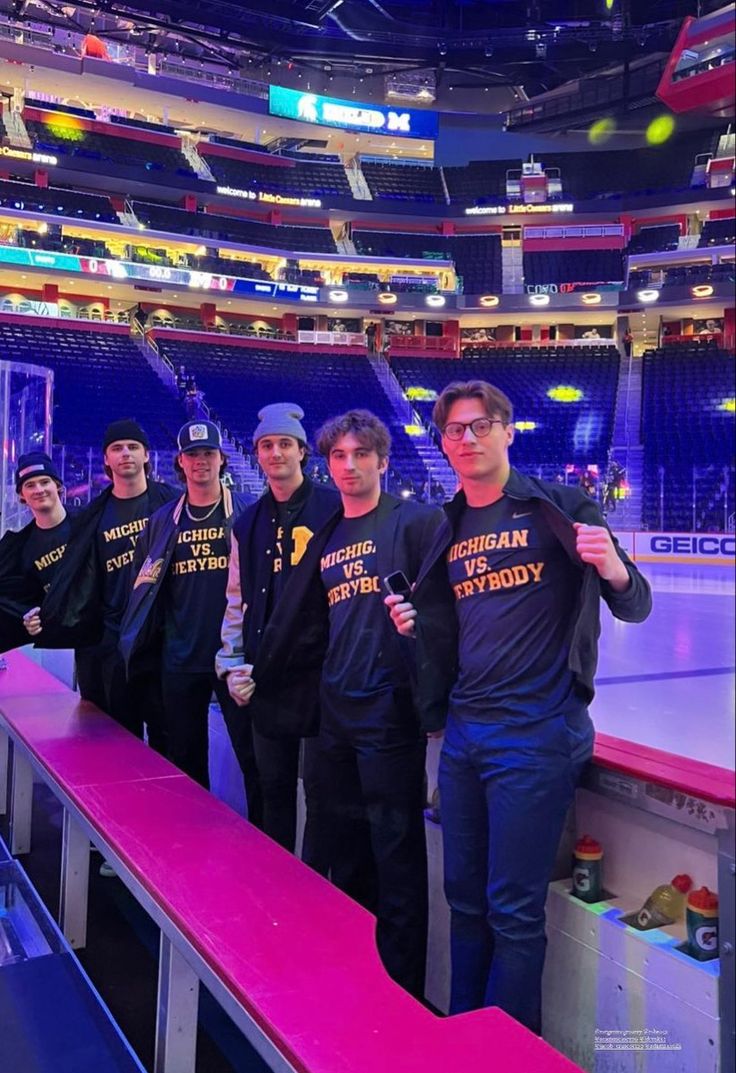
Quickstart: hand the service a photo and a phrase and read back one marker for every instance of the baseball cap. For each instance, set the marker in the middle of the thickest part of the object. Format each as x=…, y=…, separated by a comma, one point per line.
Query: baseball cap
x=199, y=434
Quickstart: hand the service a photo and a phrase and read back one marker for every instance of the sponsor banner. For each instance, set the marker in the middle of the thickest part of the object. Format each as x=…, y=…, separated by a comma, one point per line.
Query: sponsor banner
x=709, y=549
x=351, y=115
x=178, y=277
x=519, y=209
x=28, y=154
x=271, y=199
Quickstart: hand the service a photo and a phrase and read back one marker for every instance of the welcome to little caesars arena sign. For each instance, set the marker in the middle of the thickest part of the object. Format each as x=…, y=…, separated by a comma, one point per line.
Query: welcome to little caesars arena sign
x=351, y=115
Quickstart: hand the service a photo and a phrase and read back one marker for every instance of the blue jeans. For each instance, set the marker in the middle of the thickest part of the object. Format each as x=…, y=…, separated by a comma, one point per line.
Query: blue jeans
x=504, y=793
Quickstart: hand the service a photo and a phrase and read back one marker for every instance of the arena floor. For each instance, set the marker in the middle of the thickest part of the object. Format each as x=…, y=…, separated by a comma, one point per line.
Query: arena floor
x=669, y=682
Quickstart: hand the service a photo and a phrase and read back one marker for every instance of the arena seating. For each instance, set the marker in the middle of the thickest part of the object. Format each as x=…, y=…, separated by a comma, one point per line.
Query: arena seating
x=718, y=233
x=70, y=141
x=573, y=266
x=55, y=200
x=225, y=228
x=239, y=380
x=98, y=377
x=592, y=175
x=565, y=432
x=687, y=275
x=654, y=239
x=480, y=180
x=477, y=258
x=400, y=244
x=306, y=179
x=688, y=434
x=404, y=182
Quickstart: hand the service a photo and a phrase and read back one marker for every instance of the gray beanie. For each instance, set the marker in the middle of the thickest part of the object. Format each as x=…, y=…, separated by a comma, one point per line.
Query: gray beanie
x=280, y=419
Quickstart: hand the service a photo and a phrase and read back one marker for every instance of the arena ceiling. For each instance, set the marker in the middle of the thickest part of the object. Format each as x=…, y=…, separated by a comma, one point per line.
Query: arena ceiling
x=535, y=44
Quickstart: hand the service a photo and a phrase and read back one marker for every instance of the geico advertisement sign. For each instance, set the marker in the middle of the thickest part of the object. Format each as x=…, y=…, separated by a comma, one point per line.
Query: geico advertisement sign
x=714, y=548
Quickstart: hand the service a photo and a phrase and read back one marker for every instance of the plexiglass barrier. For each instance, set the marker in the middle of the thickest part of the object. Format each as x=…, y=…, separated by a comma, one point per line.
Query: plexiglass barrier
x=26, y=400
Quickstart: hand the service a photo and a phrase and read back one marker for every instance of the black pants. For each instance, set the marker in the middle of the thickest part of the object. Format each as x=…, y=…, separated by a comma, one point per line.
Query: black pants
x=133, y=703
x=186, y=700
x=370, y=758
x=277, y=760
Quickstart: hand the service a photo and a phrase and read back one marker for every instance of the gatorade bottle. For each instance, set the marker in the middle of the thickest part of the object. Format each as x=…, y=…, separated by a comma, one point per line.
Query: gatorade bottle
x=702, y=924
x=586, y=869
x=665, y=904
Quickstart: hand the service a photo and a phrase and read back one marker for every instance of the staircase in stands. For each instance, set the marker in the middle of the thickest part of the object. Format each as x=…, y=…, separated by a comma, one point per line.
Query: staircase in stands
x=513, y=267
x=193, y=159
x=246, y=475
x=435, y=463
x=628, y=449
x=357, y=180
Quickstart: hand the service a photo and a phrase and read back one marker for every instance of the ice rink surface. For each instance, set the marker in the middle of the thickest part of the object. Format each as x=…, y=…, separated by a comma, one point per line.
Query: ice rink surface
x=669, y=682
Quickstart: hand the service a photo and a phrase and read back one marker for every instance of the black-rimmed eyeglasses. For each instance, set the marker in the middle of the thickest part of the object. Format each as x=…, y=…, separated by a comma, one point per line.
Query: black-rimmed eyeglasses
x=480, y=427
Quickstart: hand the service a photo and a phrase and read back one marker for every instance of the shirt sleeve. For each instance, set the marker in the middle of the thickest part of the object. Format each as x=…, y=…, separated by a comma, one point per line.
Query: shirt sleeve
x=231, y=654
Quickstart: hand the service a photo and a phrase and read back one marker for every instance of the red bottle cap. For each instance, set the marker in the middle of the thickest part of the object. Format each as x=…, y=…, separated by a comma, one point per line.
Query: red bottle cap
x=683, y=883
x=703, y=899
x=586, y=844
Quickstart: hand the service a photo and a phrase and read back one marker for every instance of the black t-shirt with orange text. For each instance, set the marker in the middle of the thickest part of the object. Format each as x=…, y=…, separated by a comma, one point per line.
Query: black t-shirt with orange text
x=122, y=522
x=516, y=594
x=363, y=656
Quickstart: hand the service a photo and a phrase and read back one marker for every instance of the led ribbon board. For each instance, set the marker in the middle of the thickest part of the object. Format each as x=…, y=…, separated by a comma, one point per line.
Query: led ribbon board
x=351, y=115
x=178, y=277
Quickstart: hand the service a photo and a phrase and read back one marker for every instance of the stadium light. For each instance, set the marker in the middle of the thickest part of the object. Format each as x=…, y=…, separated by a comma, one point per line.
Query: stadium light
x=539, y=299
x=386, y=298
x=338, y=296
x=565, y=393
x=591, y=298
x=436, y=301
x=647, y=296
x=489, y=300
x=702, y=290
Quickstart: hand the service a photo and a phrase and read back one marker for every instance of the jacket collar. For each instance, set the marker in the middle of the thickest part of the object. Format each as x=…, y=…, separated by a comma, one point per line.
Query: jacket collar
x=297, y=497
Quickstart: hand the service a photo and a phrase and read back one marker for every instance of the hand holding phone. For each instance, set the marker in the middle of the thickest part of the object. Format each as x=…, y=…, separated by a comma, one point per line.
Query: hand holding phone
x=398, y=584
x=402, y=610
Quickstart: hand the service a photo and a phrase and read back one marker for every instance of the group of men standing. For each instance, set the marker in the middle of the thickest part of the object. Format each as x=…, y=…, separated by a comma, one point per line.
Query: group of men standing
x=338, y=629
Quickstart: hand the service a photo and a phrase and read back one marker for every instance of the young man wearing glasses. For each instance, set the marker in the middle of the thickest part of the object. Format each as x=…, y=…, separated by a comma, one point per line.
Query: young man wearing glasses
x=505, y=613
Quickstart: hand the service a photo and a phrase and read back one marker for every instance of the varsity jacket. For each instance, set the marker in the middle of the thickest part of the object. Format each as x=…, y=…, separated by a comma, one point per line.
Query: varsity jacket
x=436, y=621
x=288, y=665
x=71, y=613
x=155, y=548
x=251, y=572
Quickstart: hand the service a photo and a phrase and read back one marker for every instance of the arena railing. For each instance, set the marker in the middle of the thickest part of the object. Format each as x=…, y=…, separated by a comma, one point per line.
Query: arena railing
x=289, y=957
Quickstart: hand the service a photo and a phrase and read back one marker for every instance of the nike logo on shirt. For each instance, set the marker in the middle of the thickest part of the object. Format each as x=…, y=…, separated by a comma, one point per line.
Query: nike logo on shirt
x=524, y=514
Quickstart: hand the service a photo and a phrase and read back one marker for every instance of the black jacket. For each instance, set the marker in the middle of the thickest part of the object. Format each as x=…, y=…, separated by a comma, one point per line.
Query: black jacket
x=288, y=667
x=139, y=629
x=436, y=623
x=71, y=614
x=251, y=575
x=17, y=592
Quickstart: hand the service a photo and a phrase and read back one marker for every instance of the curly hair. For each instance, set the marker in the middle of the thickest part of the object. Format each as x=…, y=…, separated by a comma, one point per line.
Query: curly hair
x=365, y=426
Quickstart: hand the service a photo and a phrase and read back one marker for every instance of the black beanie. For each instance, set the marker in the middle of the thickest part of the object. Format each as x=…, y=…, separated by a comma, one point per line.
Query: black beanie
x=34, y=464
x=125, y=429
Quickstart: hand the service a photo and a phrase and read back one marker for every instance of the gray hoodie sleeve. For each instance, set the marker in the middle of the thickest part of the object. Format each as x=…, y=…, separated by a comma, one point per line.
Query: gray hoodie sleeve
x=230, y=655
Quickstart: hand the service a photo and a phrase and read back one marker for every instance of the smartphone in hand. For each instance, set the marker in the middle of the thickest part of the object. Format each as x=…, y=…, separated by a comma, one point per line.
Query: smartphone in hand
x=398, y=584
